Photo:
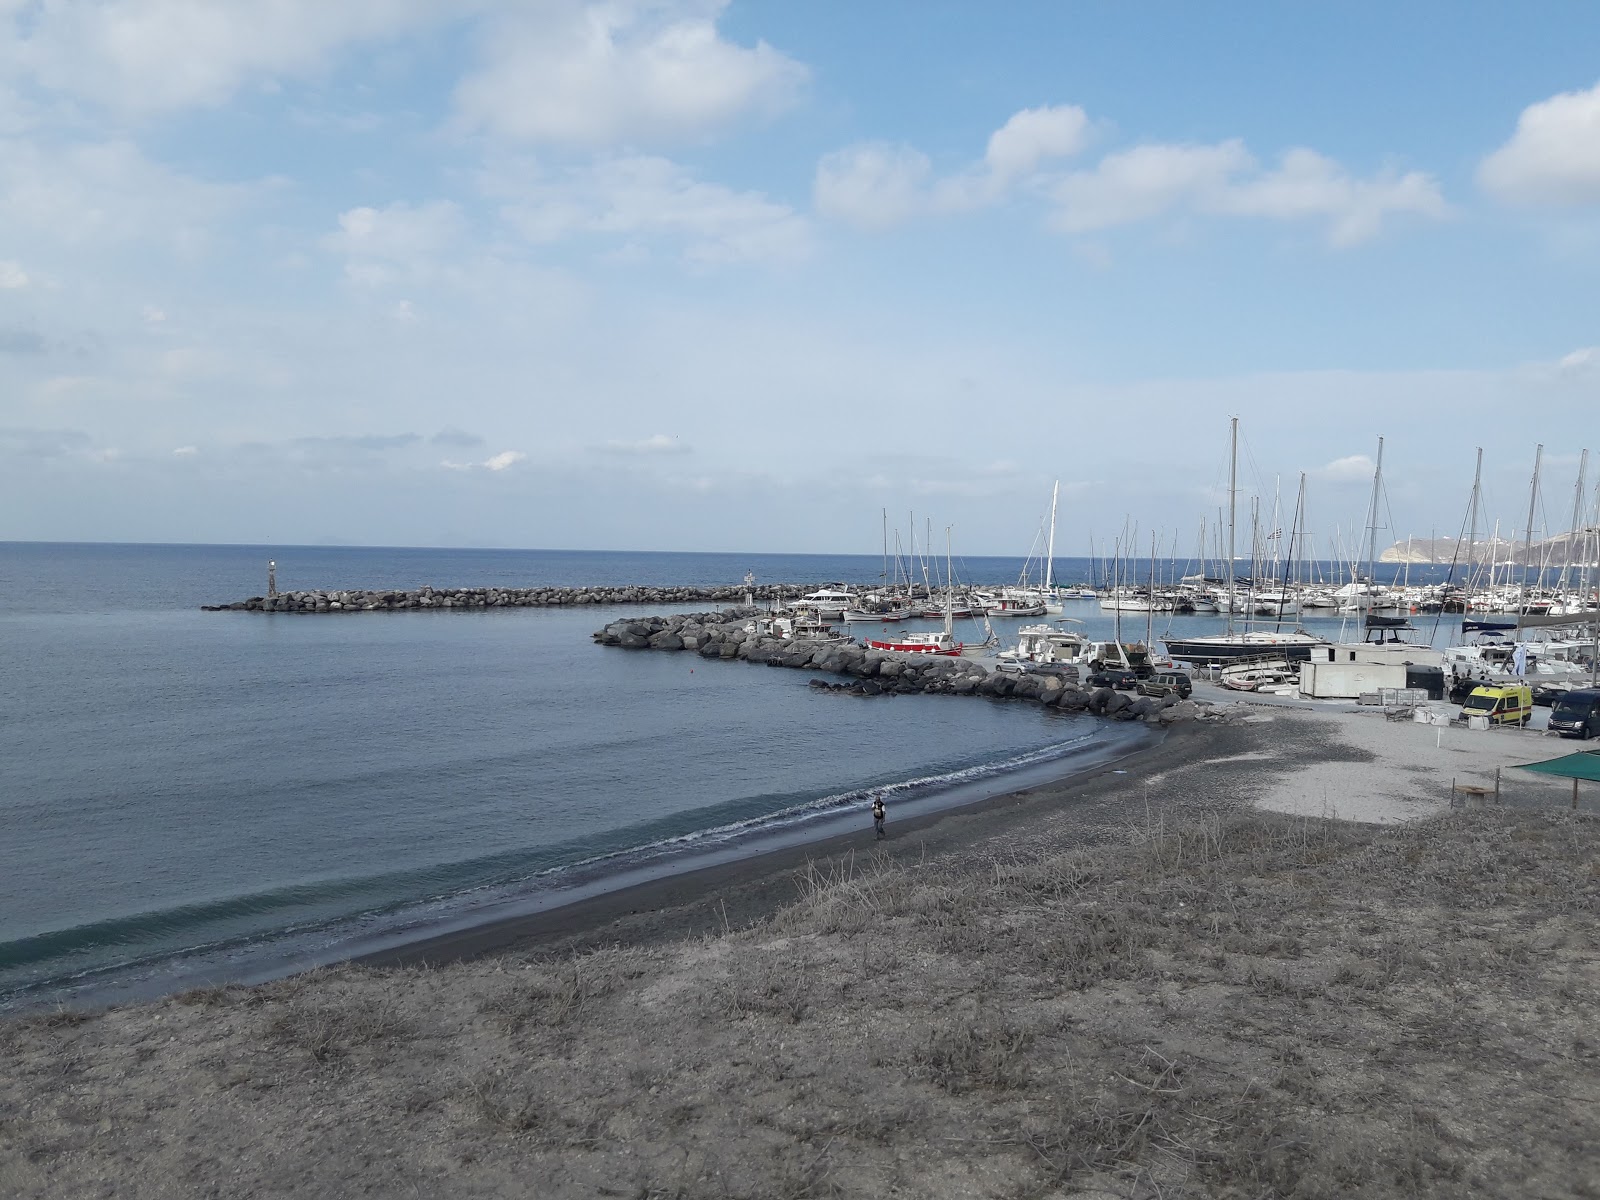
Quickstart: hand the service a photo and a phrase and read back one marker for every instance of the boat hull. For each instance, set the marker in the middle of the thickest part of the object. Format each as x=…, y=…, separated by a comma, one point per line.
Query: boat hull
x=1203, y=650
x=911, y=647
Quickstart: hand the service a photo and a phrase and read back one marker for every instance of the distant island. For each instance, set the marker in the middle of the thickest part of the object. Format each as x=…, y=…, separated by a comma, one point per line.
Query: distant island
x=1573, y=547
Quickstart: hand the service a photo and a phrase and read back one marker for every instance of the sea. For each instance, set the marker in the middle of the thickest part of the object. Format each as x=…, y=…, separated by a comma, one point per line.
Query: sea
x=193, y=797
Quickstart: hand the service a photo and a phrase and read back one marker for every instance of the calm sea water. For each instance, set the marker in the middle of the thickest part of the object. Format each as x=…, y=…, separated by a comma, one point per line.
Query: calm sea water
x=189, y=795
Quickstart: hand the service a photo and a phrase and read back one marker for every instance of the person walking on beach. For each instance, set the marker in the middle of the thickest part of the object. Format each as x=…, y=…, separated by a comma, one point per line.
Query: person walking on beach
x=878, y=814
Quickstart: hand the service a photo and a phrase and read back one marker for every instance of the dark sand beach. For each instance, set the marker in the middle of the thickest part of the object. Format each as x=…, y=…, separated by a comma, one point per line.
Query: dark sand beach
x=713, y=899
x=1137, y=985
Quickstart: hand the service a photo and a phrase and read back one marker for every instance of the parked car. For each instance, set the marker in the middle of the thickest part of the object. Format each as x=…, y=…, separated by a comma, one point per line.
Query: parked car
x=1167, y=683
x=1115, y=677
x=1577, y=714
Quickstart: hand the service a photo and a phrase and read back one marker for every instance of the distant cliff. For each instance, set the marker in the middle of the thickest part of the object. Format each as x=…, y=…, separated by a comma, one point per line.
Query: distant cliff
x=1552, y=552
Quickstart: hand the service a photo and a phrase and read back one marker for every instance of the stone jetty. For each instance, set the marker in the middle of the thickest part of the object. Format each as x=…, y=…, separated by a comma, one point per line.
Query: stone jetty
x=731, y=634
x=393, y=600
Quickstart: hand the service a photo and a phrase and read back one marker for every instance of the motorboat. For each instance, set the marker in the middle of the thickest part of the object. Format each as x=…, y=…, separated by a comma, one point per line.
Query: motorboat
x=1056, y=644
x=828, y=603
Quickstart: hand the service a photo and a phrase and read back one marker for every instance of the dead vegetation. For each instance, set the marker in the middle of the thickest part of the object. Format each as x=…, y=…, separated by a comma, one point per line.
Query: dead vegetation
x=1237, y=1005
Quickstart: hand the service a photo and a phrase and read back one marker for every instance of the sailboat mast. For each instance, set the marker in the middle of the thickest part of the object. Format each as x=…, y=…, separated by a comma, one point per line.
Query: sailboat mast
x=1150, y=609
x=1372, y=528
x=1577, y=516
x=1472, y=535
x=949, y=592
x=1527, y=534
x=1233, y=503
x=884, y=575
x=1050, y=545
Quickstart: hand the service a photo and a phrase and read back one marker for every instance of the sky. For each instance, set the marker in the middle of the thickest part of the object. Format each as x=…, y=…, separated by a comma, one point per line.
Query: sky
x=710, y=275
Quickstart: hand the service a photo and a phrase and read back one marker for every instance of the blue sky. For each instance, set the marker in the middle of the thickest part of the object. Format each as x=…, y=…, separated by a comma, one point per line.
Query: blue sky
x=682, y=274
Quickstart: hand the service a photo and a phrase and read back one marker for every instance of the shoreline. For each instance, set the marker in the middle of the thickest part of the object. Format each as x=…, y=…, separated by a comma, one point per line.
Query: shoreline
x=733, y=895
x=750, y=880
x=1152, y=942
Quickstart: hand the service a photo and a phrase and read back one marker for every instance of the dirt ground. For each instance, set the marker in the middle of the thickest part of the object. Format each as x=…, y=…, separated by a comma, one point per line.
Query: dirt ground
x=1201, y=999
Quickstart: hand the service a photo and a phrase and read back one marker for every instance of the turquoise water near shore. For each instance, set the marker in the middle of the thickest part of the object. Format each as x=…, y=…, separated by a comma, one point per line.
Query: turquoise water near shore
x=184, y=790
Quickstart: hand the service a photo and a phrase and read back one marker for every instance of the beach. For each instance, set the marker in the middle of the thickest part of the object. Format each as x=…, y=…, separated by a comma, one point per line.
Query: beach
x=1177, y=975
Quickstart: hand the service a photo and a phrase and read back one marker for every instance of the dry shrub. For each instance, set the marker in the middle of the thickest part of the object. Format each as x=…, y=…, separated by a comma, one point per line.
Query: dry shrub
x=329, y=1028
x=762, y=981
x=540, y=998
x=984, y=1054
x=509, y=1104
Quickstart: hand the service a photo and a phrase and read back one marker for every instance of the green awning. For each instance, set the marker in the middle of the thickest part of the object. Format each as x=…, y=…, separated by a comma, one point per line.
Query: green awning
x=1572, y=766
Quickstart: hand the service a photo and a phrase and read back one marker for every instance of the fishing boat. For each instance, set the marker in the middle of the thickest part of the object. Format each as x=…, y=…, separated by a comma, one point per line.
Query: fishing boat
x=884, y=609
x=799, y=627
x=1057, y=644
x=1009, y=603
x=941, y=641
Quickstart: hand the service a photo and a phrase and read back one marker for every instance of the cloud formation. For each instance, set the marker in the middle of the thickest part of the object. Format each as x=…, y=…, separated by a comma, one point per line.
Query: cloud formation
x=144, y=57
x=1553, y=158
x=877, y=185
x=647, y=197
x=496, y=462
x=381, y=244
x=659, y=443
x=1350, y=469
x=12, y=276
x=630, y=72
x=20, y=341
x=1224, y=179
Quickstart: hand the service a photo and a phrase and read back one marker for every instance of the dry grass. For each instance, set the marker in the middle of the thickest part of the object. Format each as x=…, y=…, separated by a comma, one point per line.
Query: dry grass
x=1233, y=1006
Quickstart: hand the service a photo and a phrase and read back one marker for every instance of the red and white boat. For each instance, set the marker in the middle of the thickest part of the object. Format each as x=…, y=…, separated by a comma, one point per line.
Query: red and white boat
x=939, y=642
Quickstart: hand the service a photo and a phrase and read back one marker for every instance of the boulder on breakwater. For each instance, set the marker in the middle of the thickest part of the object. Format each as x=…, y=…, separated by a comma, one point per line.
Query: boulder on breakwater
x=394, y=600
x=732, y=634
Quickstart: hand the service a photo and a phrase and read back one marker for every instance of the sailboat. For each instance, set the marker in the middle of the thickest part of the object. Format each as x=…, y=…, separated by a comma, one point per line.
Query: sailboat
x=942, y=641
x=1210, y=649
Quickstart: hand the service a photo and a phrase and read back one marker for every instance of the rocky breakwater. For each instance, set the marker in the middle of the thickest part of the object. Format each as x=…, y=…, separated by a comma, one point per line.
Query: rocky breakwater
x=392, y=600
x=734, y=634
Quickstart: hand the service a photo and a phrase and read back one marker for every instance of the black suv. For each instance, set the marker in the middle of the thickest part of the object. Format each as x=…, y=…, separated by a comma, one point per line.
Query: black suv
x=1577, y=714
x=1167, y=683
x=1114, y=677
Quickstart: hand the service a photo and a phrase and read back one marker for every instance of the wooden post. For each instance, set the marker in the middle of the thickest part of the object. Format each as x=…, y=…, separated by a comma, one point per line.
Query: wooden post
x=1497, y=785
x=1574, y=791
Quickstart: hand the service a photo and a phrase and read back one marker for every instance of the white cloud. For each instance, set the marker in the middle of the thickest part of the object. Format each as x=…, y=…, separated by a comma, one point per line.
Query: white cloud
x=1580, y=360
x=185, y=451
x=625, y=72
x=12, y=276
x=379, y=244
x=1144, y=182
x=1308, y=185
x=1554, y=156
x=1151, y=181
x=496, y=462
x=876, y=185
x=659, y=443
x=637, y=196
x=1018, y=147
x=873, y=185
x=154, y=56
x=1350, y=469
x=104, y=192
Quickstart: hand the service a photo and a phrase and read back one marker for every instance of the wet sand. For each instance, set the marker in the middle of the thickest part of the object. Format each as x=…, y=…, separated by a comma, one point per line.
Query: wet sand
x=737, y=894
